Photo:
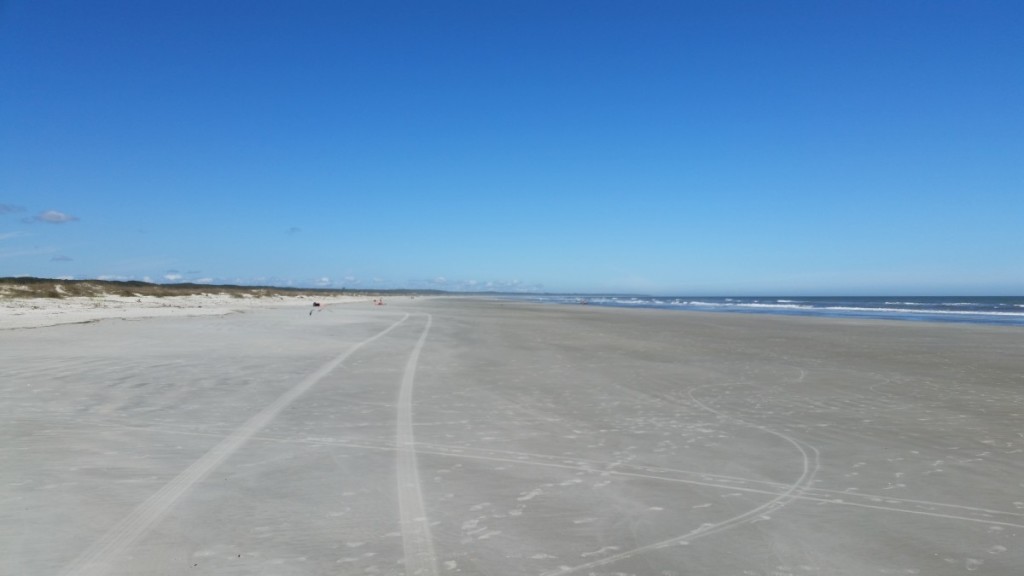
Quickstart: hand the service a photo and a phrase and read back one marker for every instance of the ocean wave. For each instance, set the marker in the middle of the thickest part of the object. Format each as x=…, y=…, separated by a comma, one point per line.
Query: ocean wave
x=924, y=311
x=985, y=310
x=792, y=305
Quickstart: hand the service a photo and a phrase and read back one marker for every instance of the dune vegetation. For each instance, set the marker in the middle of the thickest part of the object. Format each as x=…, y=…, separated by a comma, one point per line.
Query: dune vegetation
x=29, y=287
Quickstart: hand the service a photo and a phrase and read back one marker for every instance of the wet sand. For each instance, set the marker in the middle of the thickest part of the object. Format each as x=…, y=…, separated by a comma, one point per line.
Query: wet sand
x=466, y=436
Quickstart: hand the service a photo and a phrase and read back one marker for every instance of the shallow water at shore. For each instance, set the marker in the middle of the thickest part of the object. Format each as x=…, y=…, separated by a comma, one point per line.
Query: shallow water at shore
x=1005, y=310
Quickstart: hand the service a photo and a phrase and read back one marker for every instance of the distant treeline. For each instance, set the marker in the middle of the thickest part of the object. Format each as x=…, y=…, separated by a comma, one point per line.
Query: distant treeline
x=31, y=287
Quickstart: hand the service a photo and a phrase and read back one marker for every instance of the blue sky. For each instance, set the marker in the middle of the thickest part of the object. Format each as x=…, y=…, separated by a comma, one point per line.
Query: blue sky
x=717, y=148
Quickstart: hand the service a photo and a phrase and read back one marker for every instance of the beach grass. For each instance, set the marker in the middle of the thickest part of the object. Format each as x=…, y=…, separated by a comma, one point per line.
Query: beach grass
x=30, y=287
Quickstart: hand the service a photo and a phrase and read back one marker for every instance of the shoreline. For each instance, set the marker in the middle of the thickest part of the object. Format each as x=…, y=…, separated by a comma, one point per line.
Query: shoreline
x=29, y=313
x=991, y=310
x=743, y=318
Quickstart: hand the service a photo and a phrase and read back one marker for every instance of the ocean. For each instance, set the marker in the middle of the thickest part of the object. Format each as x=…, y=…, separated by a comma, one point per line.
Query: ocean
x=1005, y=310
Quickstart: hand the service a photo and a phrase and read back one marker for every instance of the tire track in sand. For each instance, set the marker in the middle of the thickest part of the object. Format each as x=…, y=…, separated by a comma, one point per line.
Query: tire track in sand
x=810, y=467
x=99, y=557
x=417, y=544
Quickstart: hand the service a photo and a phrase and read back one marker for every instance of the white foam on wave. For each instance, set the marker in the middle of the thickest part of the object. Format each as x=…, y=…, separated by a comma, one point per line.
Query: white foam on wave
x=987, y=311
x=783, y=305
x=734, y=304
x=925, y=311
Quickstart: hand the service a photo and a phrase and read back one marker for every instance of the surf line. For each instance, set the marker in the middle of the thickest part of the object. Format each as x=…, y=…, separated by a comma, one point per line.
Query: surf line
x=98, y=558
x=417, y=543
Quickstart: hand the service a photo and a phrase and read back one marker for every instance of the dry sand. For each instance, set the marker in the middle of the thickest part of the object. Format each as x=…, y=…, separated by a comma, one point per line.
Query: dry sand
x=462, y=436
x=41, y=312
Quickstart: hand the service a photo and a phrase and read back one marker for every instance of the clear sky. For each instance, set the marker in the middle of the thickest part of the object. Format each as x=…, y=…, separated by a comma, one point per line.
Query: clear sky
x=712, y=148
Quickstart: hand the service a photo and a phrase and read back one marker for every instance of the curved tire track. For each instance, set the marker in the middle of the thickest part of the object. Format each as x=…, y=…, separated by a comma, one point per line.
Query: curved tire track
x=810, y=468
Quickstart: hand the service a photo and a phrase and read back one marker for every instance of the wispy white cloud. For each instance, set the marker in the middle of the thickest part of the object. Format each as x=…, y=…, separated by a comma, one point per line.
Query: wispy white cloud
x=55, y=217
x=173, y=277
x=9, y=235
x=10, y=209
x=454, y=285
x=293, y=231
x=322, y=282
x=61, y=258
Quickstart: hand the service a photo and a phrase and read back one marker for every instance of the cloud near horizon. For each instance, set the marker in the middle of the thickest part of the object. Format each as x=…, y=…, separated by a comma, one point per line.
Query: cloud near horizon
x=472, y=285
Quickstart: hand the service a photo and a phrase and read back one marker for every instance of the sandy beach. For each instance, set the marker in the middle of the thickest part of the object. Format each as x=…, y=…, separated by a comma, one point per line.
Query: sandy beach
x=474, y=436
x=42, y=312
